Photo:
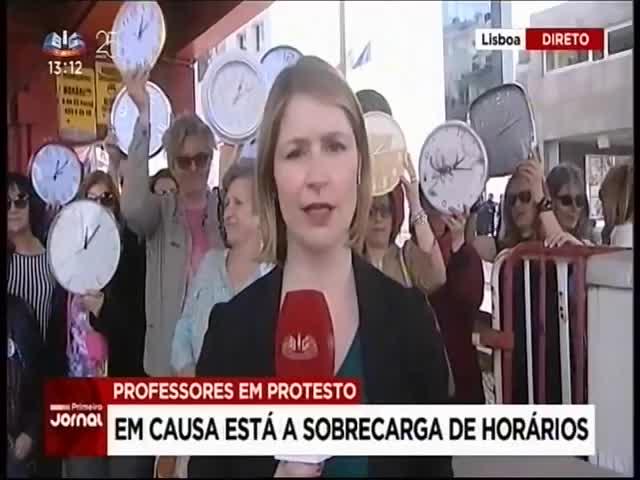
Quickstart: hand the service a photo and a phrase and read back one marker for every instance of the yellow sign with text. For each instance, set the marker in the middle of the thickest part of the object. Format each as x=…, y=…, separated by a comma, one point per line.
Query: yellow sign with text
x=108, y=84
x=76, y=106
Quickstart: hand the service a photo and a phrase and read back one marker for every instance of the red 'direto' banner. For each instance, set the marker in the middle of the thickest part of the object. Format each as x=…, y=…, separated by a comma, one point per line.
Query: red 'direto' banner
x=564, y=39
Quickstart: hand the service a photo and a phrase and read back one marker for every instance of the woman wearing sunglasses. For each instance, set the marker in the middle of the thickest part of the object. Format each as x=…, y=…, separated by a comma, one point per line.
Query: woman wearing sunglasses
x=313, y=200
x=107, y=329
x=24, y=385
x=30, y=278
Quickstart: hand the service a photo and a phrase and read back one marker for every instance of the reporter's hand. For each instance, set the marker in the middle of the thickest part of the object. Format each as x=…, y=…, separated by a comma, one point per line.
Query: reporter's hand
x=298, y=470
x=23, y=446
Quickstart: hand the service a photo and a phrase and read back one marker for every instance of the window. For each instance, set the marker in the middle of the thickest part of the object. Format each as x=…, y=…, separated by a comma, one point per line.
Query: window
x=561, y=59
x=620, y=39
x=259, y=33
x=242, y=40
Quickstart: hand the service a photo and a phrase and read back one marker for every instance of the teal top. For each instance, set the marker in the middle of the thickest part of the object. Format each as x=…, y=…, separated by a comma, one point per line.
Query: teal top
x=349, y=467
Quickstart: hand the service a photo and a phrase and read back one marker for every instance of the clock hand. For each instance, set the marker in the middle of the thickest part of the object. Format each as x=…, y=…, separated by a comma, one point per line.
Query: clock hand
x=93, y=235
x=140, y=28
x=86, y=240
x=144, y=28
x=508, y=126
x=55, y=174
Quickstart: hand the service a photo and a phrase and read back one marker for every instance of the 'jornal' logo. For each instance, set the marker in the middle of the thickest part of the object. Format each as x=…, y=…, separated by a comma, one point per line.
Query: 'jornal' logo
x=66, y=419
x=298, y=347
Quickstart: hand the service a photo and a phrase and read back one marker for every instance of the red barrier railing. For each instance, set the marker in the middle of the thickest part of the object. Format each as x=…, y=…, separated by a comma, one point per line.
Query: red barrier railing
x=572, y=322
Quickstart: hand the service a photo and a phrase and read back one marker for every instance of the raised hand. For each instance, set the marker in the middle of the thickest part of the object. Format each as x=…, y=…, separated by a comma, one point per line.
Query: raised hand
x=93, y=301
x=136, y=85
x=456, y=223
x=410, y=185
x=531, y=170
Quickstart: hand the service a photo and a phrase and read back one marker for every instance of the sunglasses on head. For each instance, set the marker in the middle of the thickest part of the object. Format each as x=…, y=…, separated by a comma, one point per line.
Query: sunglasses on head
x=200, y=160
x=21, y=202
x=524, y=197
x=107, y=199
x=568, y=200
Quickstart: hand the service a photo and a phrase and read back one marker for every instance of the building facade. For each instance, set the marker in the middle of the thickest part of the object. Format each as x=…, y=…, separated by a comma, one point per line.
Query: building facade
x=583, y=101
x=470, y=72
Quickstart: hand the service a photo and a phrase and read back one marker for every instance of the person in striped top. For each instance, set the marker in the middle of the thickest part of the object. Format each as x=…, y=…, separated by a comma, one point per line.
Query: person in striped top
x=29, y=275
x=30, y=279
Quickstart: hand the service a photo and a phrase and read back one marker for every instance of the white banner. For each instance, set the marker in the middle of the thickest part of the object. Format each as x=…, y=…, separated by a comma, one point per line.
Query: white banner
x=351, y=430
x=500, y=39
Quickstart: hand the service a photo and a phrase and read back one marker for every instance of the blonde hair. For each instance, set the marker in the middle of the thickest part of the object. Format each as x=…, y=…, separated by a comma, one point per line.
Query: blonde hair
x=183, y=126
x=616, y=195
x=314, y=77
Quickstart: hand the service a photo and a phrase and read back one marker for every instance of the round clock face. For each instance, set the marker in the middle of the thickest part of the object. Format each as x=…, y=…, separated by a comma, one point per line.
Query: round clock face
x=139, y=36
x=124, y=114
x=503, y=118
x=388, y=150
x=453, y=167
x=56, y=173
x=234, y=95
x=277, y=59
x=83, y=247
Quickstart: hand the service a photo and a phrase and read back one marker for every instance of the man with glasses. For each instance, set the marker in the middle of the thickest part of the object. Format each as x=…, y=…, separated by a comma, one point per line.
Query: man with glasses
x=179, y=227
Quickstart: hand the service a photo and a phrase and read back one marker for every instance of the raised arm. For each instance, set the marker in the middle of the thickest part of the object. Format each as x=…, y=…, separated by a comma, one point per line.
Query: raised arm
x=421, y=254
x=140, y=208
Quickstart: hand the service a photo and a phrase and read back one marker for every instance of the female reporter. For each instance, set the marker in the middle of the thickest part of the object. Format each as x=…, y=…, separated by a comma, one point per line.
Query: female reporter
x=314, y=194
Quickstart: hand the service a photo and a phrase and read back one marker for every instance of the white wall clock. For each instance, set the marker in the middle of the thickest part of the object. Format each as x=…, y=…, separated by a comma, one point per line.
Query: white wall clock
x=83, y=246
x=277, y=59
x=124, y=114
x=388, y=150
x=139, y=37
x=233, y=95
x=453, y=167
x=56, y=173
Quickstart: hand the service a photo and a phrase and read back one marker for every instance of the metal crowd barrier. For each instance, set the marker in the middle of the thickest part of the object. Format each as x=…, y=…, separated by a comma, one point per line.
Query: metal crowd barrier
x=572, y=322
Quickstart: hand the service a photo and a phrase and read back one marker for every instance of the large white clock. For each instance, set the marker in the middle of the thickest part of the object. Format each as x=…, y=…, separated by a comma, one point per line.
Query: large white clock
x=453, y=167
x=277, y=59
x=139, y=36
x=234, y=94
x=83, y=246
x=124, y=114
x=56, y=173
x=388, y=150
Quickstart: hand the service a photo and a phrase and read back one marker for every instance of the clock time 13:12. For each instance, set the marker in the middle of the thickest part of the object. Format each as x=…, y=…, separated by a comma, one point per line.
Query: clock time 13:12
x=71, y=67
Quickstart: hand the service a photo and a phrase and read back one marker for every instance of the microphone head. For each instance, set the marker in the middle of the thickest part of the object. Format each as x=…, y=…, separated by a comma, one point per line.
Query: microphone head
x=304, y=336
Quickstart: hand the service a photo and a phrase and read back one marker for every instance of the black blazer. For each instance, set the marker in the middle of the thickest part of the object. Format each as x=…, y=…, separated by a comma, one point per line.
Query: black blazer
x=122, y=318
x=403, y=360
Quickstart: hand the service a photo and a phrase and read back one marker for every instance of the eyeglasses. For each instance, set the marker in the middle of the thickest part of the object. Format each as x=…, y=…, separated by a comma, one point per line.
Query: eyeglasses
x=107, y=199
x=200, y=160
x=20, y=203
x=524, y=197
x=568, y=200
x=383, y=210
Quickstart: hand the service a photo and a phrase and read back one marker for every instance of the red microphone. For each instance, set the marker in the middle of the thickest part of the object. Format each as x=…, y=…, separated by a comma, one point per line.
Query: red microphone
x=304, y=336
x=304, y=347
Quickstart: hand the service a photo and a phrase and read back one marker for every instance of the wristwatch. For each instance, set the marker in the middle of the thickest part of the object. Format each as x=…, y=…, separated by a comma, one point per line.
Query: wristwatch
x=545, y=205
